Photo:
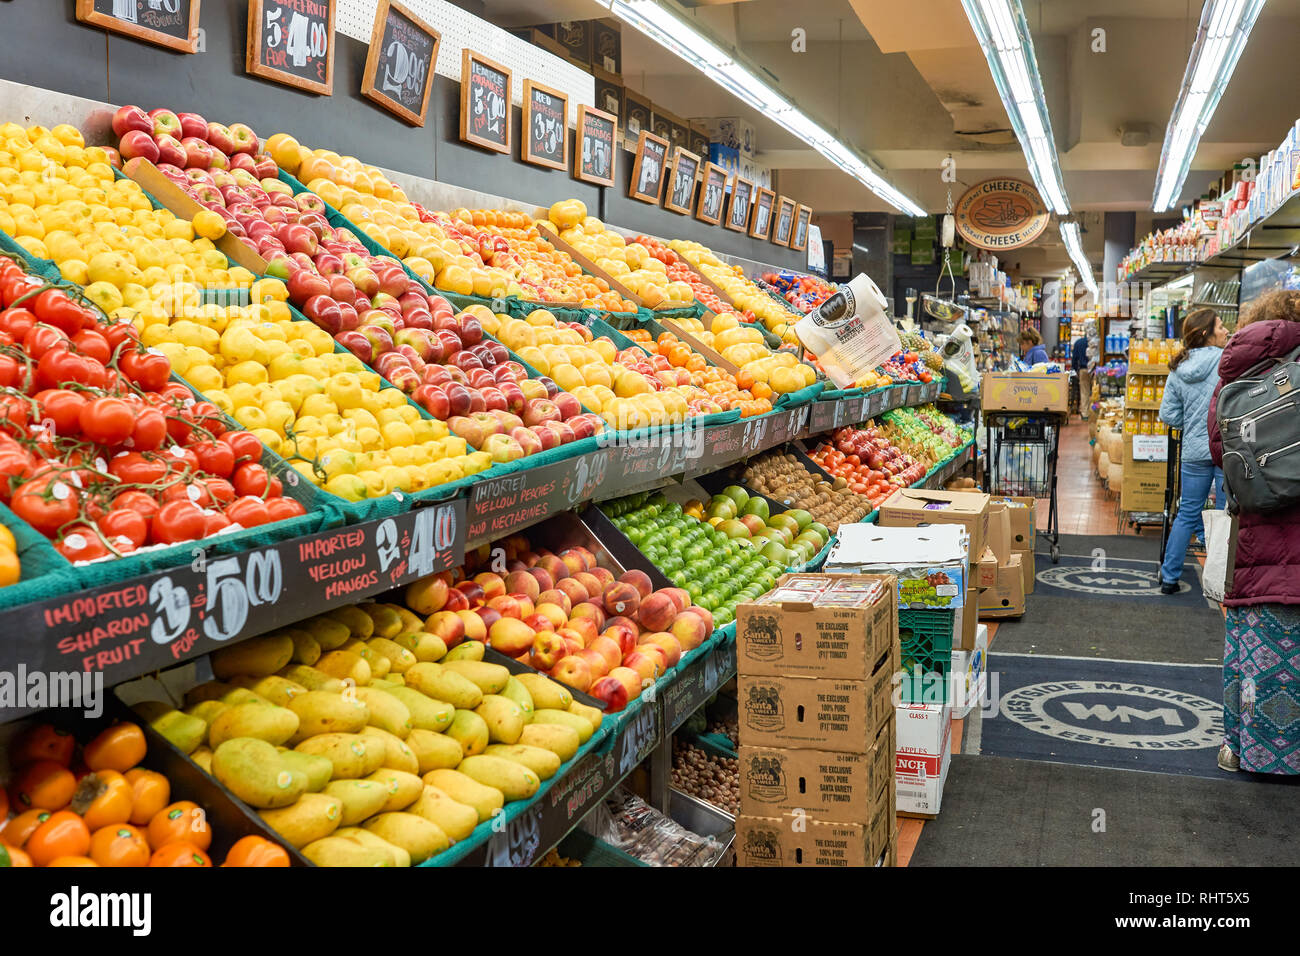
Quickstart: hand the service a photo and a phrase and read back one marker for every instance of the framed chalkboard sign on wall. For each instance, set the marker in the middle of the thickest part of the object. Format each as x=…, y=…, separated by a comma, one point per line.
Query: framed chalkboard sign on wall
x=761, y=226
x=713, y=194
x=784, y=221
x=802, y=217
x=400, y=63
x=292, y=42
x=742, y=193
x=170, y=23
x=648, y=168
x=597, y=146
x=546, y=126
x=681, y=181
x=484, y=102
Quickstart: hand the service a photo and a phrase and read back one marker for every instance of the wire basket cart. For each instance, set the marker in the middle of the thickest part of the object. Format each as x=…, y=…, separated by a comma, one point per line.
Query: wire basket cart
x=1021, y=455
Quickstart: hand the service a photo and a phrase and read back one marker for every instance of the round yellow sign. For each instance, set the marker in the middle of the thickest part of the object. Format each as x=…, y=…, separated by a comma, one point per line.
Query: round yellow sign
x=1001, y=214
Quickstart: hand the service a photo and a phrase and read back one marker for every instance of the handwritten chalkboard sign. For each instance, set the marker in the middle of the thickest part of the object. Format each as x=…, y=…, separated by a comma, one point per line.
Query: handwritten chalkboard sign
x=484, y=102
x=400, y=63
x=742, y=194
x=681, y=181
x=761, y=227
x=802, y=217
x=597, y=146
x=546, y=126
x=170, y=23
x=713, y=195
x=649, y=168
x=784, y=221
x=292, y=42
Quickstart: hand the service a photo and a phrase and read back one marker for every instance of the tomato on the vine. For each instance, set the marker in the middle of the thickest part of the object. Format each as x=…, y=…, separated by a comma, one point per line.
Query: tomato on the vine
x=248, y=512
x=81, y=543
x=93, y=345
x=55, y=307
x=177, y=521
x=278, y=509
x=46, y=502
x=107, y=420
x=251, y=479
x=125, y=523
x=215, y=457
x=195, y=491
x=215, y=522
x=139, y=502
x=245, y=445
x=150, y=430
x=134, y=468
x=222, y=491
x=63, y=407
x=147, y=368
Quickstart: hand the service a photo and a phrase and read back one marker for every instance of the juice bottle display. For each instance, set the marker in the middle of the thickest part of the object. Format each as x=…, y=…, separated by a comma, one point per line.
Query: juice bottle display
x=1134, y=388
x=1148, y=389
x=1131, y=422
x=1145, y=423
x=1160, y=389
x=1158, y=427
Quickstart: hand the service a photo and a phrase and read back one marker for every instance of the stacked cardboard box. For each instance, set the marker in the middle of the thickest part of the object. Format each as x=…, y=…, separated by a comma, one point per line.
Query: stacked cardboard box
x=815, y=659
x=1006, y=596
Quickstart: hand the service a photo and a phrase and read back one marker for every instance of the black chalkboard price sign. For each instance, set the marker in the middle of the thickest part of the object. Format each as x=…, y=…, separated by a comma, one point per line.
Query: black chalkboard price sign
x=802, y=217
x=742, y=195
x=292, y=42
x=546, y=126
x=649, y=168
x=761, y=227
x=170, y=23
x=713, y=195
x=681, y=181
x=400, y=63
x=484, y=102
x=597, y=136
x=784, y=221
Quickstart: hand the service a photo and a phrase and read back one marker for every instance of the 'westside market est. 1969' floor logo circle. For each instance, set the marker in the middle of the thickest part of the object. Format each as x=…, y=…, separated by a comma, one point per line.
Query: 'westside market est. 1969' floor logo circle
x=1120, y=582
x=1116, y=714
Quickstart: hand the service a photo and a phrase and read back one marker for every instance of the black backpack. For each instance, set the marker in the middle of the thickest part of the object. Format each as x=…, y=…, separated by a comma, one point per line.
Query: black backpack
x=1259, y=424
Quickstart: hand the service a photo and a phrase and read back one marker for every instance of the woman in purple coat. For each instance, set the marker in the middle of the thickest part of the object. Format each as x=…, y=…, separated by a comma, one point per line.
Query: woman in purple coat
x=1261, y=657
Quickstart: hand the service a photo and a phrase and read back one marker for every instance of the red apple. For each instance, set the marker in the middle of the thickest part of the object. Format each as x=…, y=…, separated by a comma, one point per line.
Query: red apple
x=244, y=138
x=131, y=119
x=165, y=121
x=137, y=143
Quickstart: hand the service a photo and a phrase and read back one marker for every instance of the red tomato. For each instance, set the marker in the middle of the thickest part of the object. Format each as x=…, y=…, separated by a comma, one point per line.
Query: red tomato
x=140, y=503
x=215, y=522
x=281, y=508
x=91, y=343
x=134, y=468
x=215, y=457
x=125, y=523
x=55, y=308
x=245, y=445
x=147, y=368
x=178, y=521
x=248, y=511
x=195, y=491
x=81, y=543
x=46, y=503
x=150, y=430
x=108, y=421
x=222, y=491
x=251, y=479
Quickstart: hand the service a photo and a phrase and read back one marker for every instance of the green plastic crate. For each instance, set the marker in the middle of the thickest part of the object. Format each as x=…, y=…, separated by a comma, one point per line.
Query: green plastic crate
x=592, y=851
x=925, y=641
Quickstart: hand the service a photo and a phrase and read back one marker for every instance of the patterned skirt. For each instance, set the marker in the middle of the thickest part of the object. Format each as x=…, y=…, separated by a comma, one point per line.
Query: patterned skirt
x=1261, y=687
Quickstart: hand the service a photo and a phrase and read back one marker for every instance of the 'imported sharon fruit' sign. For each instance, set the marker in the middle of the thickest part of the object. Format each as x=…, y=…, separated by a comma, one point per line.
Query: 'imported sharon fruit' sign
x=1001, y=214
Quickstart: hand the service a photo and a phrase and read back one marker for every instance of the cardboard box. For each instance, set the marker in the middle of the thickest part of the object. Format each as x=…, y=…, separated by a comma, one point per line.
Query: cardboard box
x=819, y=625
x=929, y=563
x=821, y=713
x=913, y=507
x=575, y=37
x=1007, y=599
x=728, y=157
x=543, y=37
x=924, y=753
x=986, y=572
x=999, y=531
x=1143, y=487
x=734, y=131
x=636, y=114
x=835, y=787
x=970, y=619
x=609, y=91
x=699, y=136
x=1025, y=391
x=791, y=841
x=607, y=45
x=1028, y=572
x=969, y=676
x=1024, y=523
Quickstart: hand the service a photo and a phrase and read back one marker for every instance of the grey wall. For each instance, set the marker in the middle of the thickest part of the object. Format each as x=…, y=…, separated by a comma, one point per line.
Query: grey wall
x=45, y=46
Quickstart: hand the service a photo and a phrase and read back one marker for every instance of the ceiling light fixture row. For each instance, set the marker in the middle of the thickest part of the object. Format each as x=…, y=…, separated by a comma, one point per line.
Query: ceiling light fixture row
x=1225, y=26
x=1074, y=246
x=679, y=36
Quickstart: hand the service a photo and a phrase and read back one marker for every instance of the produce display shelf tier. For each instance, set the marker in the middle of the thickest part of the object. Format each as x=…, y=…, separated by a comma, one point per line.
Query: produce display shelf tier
x=622, y=742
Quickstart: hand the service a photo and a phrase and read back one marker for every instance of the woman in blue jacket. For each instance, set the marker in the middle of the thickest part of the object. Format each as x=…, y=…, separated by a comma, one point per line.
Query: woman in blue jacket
x=1193, y=373
x=1031, y=346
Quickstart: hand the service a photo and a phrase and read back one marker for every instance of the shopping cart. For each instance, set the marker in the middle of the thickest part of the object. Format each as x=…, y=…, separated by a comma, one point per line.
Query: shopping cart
x=1021, y=451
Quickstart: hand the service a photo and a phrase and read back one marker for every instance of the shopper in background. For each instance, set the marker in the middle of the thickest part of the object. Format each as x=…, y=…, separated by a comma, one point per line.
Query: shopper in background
x=1031, y=347
x=1079, y=362
x=1261, y=670
x=1193, y=381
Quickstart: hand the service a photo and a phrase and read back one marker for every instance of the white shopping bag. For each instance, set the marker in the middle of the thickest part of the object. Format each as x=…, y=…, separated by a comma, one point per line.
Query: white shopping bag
x=1220, y=551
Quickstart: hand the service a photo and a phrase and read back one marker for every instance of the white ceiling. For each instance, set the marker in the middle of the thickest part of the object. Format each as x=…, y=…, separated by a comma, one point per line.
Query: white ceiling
x=905, y=82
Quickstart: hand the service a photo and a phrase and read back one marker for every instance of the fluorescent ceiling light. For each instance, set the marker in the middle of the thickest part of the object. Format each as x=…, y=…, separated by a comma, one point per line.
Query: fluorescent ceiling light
x=676, y=34
x=1225, y=27
x=1074, y=245
x=1004, y=36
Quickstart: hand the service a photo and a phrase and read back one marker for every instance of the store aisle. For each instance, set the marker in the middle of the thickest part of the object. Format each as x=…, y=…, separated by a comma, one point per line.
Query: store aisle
x=1108, y=699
